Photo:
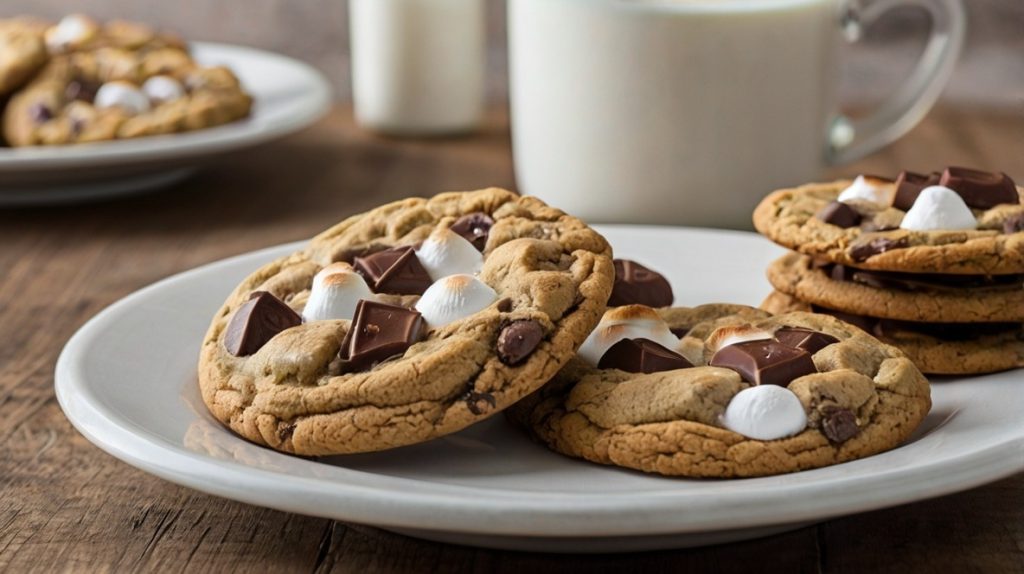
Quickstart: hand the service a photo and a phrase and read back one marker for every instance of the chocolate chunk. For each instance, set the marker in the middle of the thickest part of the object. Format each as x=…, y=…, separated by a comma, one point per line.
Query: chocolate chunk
x=397, y=271
x=980, y=189
x=380, y=331
x=1014, y=223
x=475, y=227
x=909, y=185
x=681, y=331
x=865, y=250
x=921, y=281
x=40, y=112
x=891, y=328
x=839, y=214
x=642, y=356
x=504, y=305
x=518, y=340
x=479, y=403
x=765, y=362
x=638, y=285
x=82, y=90
x=256, y=322
x=806, y=339
x=866, y=324
x=838, y=424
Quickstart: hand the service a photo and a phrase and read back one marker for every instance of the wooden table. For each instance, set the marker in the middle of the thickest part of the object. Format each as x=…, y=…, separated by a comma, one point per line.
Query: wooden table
x=65, y=505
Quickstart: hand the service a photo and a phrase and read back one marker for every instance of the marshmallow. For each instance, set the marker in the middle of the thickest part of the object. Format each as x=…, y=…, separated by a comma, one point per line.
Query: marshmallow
x=938, y=207
x=628, y=322
x=72, y=30
x=765, y=412
x=122, y=95
x=868, y=189
x=725, y=336
x=160, y=89
x=337, y=289
x=454, y=297
x=447, y=253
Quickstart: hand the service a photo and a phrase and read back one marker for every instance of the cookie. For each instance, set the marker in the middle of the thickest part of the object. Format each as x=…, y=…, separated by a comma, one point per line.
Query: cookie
x=113, y=93
x=865, y=230
x=78, y=33
x=765, y=395
x=393, y=327
x=931, y=298
x=22, y=53
x=936, y=348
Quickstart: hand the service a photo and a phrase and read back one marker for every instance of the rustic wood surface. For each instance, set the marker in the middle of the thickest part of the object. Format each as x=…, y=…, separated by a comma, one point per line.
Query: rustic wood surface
x=67, y=506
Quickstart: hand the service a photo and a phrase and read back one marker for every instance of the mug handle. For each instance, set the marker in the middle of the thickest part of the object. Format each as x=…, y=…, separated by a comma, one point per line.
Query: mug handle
x=850, y=139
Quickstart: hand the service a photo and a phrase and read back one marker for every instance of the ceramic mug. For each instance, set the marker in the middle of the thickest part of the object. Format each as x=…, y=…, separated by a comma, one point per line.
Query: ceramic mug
x=690, y=111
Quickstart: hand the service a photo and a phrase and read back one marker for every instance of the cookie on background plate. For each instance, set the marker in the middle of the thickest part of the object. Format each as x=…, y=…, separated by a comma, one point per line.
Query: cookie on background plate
x=22, y=53
x=936, y=348
x=741, y=393
x=405, y=323
x=962, y=221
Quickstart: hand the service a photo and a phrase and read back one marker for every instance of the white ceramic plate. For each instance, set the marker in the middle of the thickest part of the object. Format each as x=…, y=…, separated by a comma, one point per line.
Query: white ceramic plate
x=288, y=96
x=127, y=381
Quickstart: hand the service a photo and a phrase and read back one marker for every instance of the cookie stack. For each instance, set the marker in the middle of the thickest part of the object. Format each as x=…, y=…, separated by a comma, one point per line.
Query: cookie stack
x=930, y=263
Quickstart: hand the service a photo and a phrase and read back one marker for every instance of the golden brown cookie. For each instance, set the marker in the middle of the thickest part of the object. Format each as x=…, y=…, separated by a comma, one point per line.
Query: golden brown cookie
x=432, y=350
x=856, y=395
x=22, y=53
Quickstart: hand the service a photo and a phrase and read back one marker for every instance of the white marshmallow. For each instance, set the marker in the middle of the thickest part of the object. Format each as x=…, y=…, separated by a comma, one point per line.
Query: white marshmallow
x=71, y=30
x=447, y=253
x=765, y=412
x=454, y=297
x=337, y=289
x=122, y=95
x=939, y=207
x=868, y=189
x=161, y=89
x=628, y=322
x=725, y=336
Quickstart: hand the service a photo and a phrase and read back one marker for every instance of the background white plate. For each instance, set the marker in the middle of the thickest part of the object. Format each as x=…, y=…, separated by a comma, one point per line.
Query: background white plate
x=288, y=96
x=127, y=381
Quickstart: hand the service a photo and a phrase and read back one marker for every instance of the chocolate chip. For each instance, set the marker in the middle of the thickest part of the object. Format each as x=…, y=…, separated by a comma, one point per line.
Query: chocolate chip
x=806, y=339
x=642, y=356
x=1014, y=223
x=839, y=214
x=980, y=189
x=380, y=331
x=681, y=331
x=475, y=227
x=765, y=362
x=909, y=185
x=82, y=90
x=257, y=321
x=504, y=305
x=638, y=285
x=285, y=431
x=838, y=424
x=518, y=340
x=396, y=271
x=479, y=403
x=866, y=249
x=40, y=112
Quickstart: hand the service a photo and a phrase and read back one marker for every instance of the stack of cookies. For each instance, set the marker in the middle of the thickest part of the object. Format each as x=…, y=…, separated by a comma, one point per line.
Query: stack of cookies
x=930, y=263
x=79, y=81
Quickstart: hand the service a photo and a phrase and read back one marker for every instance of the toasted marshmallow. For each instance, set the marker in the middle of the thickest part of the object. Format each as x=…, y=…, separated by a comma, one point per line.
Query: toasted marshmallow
x=337, y=289
x=765, y=412
x=868, y=189
x=447, y=253
x=72, y=30
x=731, y=335
x=121, y=95
x=454, y=297
x=939, y=207
x=627, y=322
x=161, y=89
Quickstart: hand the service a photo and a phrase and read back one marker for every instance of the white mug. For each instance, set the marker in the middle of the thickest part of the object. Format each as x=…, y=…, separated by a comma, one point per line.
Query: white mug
x=689, y=111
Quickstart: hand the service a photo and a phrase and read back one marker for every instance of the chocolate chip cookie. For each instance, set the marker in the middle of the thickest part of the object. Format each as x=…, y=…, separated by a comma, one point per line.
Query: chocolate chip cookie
x=740, y=393
x=405, y=323
x=22, y=53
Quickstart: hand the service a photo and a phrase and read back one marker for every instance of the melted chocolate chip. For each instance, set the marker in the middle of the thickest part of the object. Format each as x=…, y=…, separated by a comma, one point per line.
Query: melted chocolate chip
x=980, y=189
x=518, y=340
x=866, y=249
x=1014, y=223
x=681, y=331
x=642, y=356
x=257, y=321
x=909, y=185
x=396, y=271
x=475, y=227
x=838, y=424
x=479, y=403
x=839, y=214
x=765, y=362
x=806, y=339
x=892, y=328
x=380, y=331
x=922, y=281
x=82, y=90
x=40, y=112
x=638, y=285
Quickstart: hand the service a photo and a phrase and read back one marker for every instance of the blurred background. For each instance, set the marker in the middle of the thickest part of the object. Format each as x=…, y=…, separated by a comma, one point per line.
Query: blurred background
x=990, y=73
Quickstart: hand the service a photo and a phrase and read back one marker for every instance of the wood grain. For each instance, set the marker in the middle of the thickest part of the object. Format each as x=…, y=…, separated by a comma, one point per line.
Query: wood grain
x=67, y=506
